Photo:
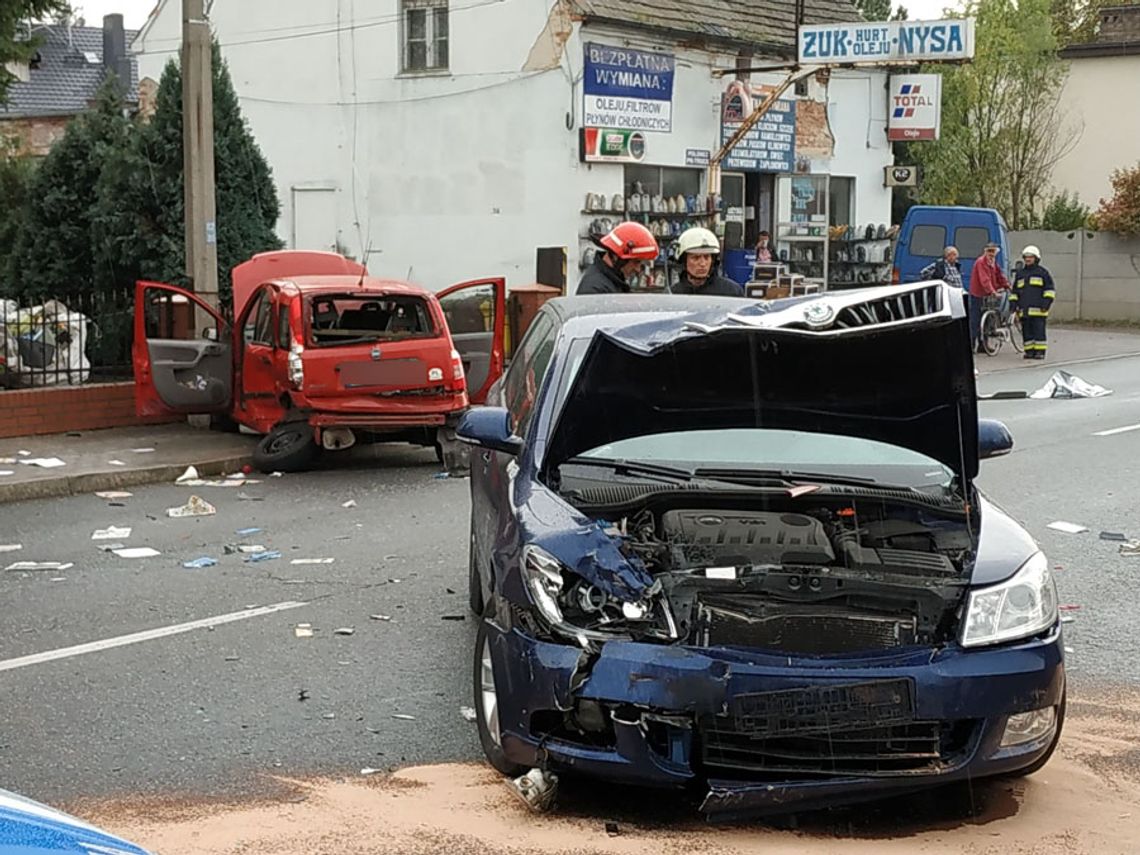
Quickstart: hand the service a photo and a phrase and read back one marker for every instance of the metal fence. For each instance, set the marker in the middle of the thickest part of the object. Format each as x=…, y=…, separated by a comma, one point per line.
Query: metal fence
x=65, y=340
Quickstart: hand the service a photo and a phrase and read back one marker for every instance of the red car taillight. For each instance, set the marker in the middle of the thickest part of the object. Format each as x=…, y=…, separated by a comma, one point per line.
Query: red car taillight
x=458, y=382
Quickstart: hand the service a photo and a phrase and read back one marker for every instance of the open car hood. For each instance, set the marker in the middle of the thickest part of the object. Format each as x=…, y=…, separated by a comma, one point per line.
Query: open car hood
x=890, y=364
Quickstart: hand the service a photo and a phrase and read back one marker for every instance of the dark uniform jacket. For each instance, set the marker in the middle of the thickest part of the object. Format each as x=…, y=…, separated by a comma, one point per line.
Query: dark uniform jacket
x=1033, y=291
x=600, y=278
x=715, y=286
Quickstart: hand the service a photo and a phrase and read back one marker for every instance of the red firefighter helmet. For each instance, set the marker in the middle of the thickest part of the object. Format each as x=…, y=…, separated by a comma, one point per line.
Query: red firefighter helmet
x=631, y=242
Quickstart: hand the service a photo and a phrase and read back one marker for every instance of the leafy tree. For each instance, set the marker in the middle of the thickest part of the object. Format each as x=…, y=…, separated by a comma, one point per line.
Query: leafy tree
x=14, y=44
x=1077, y=21
x=880, y=10
x=1002, y=130
x=16, y=173
x=54, y=251
x=140, y=217
x=1121, y=213
x=1065, y=213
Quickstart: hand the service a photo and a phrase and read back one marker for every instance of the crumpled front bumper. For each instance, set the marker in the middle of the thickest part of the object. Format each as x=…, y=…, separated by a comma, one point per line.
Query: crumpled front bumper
x=657, y=695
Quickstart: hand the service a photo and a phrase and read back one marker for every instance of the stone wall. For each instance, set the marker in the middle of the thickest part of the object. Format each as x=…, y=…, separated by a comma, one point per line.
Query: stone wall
x=34, y=136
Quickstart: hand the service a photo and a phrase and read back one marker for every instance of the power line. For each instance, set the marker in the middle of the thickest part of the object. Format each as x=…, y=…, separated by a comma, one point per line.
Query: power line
x=379, y=22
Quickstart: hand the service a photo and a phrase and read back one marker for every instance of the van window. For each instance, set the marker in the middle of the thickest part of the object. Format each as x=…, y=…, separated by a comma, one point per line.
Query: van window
x=971, y=240
x=930, y=241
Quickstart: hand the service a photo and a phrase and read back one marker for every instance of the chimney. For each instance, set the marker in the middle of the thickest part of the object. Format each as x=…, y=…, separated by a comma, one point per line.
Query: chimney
x=115, y=57
x=1119, y=24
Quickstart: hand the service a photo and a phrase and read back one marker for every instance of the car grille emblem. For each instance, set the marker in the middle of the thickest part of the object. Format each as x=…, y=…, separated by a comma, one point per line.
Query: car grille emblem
x=818, y=314
x=375, y=353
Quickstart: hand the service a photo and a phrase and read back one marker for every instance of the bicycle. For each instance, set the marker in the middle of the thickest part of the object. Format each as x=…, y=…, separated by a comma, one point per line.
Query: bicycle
x=1000, y=324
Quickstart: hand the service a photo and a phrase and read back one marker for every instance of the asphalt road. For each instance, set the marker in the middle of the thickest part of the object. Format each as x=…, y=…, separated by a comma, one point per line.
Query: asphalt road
x=219, y=712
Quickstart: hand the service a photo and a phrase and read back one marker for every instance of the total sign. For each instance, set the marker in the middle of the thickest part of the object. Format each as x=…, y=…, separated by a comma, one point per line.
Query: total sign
x=915, y=109
x=887, y=41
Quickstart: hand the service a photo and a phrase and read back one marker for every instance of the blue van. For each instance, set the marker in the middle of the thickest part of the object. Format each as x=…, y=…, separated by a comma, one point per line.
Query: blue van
x=928, y=229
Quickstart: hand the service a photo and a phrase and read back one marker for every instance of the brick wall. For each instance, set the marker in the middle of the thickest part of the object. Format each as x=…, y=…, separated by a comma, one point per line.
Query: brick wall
x=29, y=412
x=34, y=136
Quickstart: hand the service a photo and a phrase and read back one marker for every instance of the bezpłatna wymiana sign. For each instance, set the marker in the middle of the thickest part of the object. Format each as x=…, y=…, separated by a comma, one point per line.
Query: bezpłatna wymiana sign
x=627, y=89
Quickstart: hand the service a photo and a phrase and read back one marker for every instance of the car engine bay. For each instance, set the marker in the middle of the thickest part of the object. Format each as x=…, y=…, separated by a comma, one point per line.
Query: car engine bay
x=840, y=575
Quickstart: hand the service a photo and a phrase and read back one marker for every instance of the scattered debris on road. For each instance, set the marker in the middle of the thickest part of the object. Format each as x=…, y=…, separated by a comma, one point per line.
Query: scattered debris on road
x=454, y=617
x=612, y=829
x=11, y=547
x=1132, y=547
x=536, y=788
x=191, y=474
x=351, y=503
x=44, y=462
x=403, y=717
x=116, y=463
x=200, y=563
x=245, y=497
x=258, y=557
x=1113, y=536
x=1067, y=527
x=246, y=532
x=39, y=565
x=137, y=552
x=112, y=533
x=142, y=451
x=114, y=494
x=303, y=630
x=196, y=507
x=1066, y=385
x=302, y=562
x=468, y=713
x=1068, y=619
x=370, y=771
x=344, y=630
x=380, y=617
x=1068, y=608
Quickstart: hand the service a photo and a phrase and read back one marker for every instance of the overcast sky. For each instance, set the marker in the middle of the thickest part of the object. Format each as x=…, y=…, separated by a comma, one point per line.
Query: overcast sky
x=135, y=11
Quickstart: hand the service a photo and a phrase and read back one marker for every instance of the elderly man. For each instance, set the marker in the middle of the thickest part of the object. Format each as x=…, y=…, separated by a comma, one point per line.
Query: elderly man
x=947, y=268
x=986, y=280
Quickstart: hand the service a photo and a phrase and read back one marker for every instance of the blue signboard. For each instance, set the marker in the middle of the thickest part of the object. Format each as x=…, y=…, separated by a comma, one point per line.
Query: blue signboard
x=628, y=89
x=769, y=146
x=908, y=41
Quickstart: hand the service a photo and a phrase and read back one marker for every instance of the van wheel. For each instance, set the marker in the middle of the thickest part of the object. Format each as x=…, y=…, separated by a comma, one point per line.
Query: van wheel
x=286, y=448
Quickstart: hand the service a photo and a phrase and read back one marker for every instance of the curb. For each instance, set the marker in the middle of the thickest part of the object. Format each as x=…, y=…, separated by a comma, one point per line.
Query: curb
x=90, y=482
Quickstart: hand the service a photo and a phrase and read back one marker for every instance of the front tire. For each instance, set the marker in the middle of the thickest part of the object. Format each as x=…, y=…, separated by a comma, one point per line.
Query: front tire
x=1015, y=337
x=487, y=706
x=287, y=448
x=991, y=332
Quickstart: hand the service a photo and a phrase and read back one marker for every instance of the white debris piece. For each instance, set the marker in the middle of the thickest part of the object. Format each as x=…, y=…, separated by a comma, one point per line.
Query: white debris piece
x=5, y=473
x=468, y=713
x=370, y=771
x=11, y=547
x=111, y=533
x=44, y=462
x=404, y=717
x=115, y=463
x=536, y=788
x=303, y=630
x=344, y=630
x=39, y=565
x=300, y=562
x=114, y=494
x=191, y=474
x=1067, y=527
x=196, y=507
x=142, y=451
x=251, y=549
x=1065, y=385
x=351, y=503
x=137, y=552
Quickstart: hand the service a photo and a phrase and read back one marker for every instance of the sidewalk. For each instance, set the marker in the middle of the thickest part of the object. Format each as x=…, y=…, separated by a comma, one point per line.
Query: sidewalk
x=87, y=459
x=1067, y=346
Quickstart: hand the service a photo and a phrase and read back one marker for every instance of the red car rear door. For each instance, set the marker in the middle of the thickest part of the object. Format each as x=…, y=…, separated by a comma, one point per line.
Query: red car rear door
x=179, y=367
x=476, y=313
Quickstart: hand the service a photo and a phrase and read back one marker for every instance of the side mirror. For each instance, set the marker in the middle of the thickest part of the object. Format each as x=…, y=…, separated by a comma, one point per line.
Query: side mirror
x=994, y=439
x=489, y=427
x=210, y=333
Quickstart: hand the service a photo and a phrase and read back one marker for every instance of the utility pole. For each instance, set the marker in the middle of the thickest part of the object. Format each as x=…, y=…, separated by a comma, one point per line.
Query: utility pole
x=198, y=152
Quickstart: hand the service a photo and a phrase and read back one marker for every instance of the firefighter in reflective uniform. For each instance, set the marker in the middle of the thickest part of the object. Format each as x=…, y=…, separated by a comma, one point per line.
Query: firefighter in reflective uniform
x=1032, y=297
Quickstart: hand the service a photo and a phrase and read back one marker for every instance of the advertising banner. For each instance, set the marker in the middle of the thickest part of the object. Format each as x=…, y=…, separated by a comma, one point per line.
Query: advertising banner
x=611, y=145
x=887, y=40
x=628, y=89
x=770, y=146
x=915, y=109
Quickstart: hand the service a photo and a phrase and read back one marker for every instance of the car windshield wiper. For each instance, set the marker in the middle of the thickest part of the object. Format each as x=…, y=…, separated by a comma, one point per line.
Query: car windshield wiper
x=673, y=474
x=784, y=476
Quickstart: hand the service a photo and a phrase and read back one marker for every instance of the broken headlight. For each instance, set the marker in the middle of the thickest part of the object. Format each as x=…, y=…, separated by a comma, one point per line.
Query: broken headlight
x=1018, y=608
x=573, y=608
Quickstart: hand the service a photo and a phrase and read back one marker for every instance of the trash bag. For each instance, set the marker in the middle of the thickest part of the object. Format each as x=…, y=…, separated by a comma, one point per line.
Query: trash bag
x=1065, y=385
x=43, y=345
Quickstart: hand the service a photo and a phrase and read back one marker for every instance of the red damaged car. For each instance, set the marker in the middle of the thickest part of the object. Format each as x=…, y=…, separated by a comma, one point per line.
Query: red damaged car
x=321, y=356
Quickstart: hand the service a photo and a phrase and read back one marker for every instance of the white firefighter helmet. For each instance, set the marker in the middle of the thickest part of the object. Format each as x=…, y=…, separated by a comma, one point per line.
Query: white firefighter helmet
x=699, y=241
x=1031, y=250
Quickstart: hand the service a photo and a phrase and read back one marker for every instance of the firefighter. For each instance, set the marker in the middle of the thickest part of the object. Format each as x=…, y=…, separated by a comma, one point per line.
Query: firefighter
x=1033, y=295
x=626, y=250
x=698, y=250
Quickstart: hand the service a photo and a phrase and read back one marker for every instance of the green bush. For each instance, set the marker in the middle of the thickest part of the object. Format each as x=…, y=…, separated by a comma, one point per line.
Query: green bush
x=1065, y=213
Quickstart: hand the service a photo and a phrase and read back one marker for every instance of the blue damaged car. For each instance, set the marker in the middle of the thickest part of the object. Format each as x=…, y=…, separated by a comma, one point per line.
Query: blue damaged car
x=736, y=547
x=30, y=828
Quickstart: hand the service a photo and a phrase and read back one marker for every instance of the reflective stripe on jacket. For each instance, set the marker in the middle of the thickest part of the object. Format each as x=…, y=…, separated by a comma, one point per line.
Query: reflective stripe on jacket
x=1033, y=290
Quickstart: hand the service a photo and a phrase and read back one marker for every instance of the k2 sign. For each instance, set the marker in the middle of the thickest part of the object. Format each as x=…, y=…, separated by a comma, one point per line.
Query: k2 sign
x=915, y=108
x=630, y=90
x=886, y=41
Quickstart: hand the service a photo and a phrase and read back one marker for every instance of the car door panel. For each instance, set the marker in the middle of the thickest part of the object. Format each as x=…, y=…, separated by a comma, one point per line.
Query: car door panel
x=175, y=371
x=476, y=316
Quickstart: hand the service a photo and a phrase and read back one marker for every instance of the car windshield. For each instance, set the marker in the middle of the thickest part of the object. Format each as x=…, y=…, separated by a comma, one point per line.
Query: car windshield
x=792, y=452
x=340, y=319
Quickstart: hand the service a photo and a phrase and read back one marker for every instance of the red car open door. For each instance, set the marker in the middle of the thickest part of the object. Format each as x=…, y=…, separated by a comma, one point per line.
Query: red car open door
x=476, y=314
x=180, y=368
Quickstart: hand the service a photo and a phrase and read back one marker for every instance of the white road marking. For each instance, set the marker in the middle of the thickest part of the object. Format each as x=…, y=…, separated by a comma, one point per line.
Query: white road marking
x=146, y=635
x=1115, y=431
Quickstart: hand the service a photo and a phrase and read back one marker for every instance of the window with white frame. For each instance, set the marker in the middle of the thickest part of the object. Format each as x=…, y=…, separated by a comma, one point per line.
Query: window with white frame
x=425, y=32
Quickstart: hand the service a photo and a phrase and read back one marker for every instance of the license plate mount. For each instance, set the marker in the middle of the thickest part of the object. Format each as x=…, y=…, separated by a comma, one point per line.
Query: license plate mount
x=823, y=708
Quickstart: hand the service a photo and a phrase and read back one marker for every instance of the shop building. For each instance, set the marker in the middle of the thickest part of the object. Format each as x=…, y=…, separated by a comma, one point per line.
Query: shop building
x=444, y=140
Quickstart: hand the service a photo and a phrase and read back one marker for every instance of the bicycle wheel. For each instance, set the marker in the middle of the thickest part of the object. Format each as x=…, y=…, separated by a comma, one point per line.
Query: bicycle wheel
x=1015, y=333
x=991, y=332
